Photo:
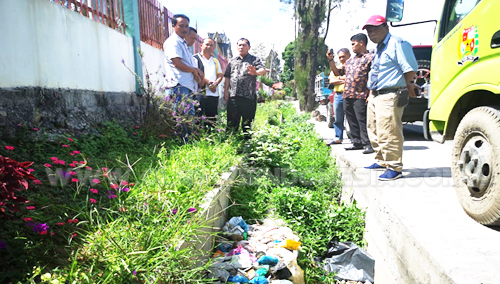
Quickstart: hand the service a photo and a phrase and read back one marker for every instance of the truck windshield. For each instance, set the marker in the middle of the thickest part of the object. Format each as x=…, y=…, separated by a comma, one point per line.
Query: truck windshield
x=422, y=53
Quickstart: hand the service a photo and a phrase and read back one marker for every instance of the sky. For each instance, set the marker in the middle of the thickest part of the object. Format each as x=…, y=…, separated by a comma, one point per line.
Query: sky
x=270, y=22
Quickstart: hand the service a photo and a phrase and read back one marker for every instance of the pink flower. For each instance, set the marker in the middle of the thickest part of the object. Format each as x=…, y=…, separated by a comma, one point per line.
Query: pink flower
x=72, y=165
x=72, y=173
x=65, y=146
x=76, y=152
x=71, y=154
x=69, y=139
x=48, y=165
x=30, y=207
x=74, y=180
x=74, y=235
x=31, y=170
x=114, y=186
x=34, y=128
x=43, y=233
x=27, y=219
x=54, y=159
x=104, y=169
x=137, y=126
x=111, y=196
x=92, y=200
x=126, y=189
x=37, y=181
x=88, y=168
x=10, y=148
x=96, y=180
x=134, y=133
x=20, y=125
x=60, y=224
x=93, y=190
x=124, y=182
x=74, y=221
x=60, y=162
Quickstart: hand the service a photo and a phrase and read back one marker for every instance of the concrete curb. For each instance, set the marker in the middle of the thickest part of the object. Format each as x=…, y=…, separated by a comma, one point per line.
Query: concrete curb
x=416, y=229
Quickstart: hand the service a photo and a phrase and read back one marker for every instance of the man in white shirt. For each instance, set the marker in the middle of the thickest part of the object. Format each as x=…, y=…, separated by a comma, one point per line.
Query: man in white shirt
x=213, y=76
x=181, y=72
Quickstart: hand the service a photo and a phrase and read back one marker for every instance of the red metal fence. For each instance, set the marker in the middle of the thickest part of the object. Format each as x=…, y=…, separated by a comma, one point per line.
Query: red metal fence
x=151, y=23
x=155, y=21
x=106, y=12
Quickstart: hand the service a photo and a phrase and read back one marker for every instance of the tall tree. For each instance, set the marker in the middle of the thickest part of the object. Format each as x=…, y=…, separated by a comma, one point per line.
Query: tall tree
x=288, y=56
x=310, y=14
x=309, y=47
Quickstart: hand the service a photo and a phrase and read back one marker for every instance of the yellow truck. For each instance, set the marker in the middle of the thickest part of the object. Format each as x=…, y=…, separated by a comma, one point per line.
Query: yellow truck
x=464, y=99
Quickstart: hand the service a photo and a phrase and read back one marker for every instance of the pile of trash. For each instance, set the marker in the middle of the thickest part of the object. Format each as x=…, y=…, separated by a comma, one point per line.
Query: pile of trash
x=260, y=254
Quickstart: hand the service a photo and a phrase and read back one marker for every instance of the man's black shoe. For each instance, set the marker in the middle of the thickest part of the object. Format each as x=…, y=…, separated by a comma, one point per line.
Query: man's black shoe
x=368, y=150
x=354, y=148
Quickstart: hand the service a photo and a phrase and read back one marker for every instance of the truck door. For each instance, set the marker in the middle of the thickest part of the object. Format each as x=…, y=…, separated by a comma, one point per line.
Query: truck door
x=458, y=41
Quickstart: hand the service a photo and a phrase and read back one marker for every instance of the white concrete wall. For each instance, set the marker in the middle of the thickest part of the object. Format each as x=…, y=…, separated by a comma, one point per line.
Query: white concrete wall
x=154, y=61
x=43, y=44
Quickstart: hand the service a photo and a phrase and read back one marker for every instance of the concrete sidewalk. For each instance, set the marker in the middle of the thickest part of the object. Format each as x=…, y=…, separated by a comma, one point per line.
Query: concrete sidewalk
x=416, y=228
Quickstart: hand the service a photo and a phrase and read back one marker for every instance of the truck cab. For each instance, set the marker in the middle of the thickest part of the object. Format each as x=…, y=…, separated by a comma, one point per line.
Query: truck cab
x=464, y=99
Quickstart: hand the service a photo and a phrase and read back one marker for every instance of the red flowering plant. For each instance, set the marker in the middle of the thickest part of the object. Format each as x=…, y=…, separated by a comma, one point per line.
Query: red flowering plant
x=13, y=175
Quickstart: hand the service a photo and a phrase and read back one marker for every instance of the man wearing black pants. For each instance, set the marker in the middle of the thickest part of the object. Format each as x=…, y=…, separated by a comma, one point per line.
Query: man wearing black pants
x=356, y=91
x=209, y=97
x=239, y=88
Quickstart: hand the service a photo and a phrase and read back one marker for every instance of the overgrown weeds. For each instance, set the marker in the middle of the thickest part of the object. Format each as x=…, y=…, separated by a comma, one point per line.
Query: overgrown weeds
x=290, y=175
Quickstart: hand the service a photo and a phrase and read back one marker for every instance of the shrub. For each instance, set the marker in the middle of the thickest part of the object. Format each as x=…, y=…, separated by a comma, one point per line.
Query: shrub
x=13, y=175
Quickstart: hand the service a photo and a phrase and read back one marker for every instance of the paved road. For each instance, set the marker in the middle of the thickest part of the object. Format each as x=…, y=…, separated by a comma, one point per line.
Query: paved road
x=416, y=228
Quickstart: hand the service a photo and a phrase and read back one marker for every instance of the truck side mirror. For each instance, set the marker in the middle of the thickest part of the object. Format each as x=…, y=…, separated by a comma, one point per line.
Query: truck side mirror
x=394, y=12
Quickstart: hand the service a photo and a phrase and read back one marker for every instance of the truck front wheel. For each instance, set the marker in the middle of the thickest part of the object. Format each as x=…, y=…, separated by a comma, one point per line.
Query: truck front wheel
x=476, y=164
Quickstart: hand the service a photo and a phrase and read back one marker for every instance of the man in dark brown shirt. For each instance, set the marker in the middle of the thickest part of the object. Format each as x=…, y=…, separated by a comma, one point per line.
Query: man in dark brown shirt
x=239, y=87
x=356, y=91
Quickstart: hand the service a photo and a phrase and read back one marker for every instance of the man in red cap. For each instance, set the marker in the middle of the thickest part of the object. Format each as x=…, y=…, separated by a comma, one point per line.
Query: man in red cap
x=393, y=68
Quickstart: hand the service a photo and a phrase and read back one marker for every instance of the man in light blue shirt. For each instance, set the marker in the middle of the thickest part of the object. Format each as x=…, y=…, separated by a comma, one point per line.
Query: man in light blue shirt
x=393, y=69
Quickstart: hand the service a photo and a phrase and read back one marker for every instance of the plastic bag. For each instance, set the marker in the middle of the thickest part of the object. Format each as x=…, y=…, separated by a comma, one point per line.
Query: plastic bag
x=238, y=279
x=238, y=221
x=291, y=244
x=242, y=251
x=268, y=259
x=262, y=270
x=297, y=273
x=349, y=262
x=259, y=280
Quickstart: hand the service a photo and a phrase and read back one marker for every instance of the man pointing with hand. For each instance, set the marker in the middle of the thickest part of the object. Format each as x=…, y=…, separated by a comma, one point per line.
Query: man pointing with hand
x=240, y=87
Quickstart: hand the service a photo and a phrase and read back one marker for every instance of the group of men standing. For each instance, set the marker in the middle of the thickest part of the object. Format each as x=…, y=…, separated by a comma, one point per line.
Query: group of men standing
x=374, y=92
x=368, y=87
x=199, y=75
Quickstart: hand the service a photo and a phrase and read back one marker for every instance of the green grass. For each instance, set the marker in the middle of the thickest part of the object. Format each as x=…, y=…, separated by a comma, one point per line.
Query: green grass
x=290, y=175
x=134, y=213
x=125, y=233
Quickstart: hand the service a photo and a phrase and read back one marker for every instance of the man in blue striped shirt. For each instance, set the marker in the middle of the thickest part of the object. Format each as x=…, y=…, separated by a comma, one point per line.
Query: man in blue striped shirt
x=393, y=68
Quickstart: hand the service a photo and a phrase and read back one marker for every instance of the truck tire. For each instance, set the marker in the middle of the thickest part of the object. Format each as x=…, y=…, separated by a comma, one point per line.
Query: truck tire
x=476, y=164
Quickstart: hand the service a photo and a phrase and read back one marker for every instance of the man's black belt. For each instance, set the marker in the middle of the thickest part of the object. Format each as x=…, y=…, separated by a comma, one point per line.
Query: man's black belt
x=385, y=91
